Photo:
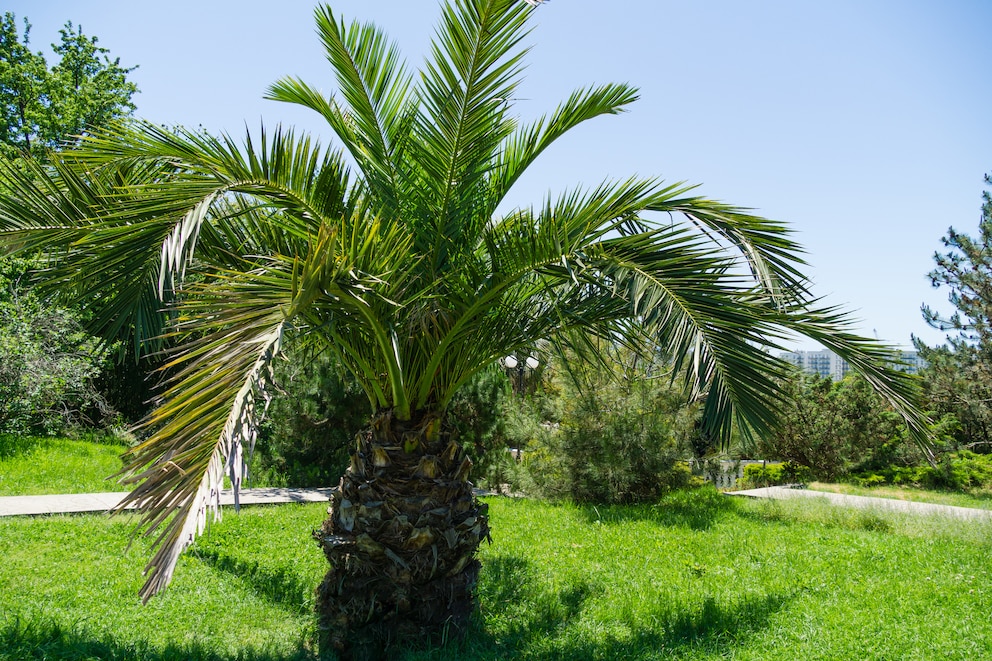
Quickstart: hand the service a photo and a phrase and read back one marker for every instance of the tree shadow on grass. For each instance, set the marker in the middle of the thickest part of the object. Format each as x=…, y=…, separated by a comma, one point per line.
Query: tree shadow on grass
x=278, y=586
x=515, y=609
x=510, y=585
x=525, y=617
x=696, y=509
x=32, y=640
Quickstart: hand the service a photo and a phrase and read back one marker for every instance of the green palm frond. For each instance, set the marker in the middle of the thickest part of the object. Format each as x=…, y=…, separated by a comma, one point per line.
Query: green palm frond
x=473, y=70
x=292, y=174
x=376, y=89
x=522, y=148
x=231, y=326
x=126, y=238
x=766, y=246
x=56, y=209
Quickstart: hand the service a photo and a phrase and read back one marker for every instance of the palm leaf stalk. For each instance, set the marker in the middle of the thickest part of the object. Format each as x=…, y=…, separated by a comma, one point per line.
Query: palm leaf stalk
x=406, y=270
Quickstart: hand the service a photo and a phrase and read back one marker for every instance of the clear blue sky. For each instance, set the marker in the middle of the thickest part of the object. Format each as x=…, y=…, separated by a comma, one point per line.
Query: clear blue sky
x=862, y=123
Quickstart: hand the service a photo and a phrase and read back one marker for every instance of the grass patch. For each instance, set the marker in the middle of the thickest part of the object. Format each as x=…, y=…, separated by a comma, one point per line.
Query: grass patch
x=40, y=465
x=977, y=500
x=697, y=576
x=68, y=589
x=35, y=465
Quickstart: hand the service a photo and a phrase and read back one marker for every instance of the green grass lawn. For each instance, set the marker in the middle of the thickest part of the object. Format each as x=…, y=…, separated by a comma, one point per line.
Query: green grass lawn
x=36, y=465
x=698, y=576
x=33, y=465
x=977, y=500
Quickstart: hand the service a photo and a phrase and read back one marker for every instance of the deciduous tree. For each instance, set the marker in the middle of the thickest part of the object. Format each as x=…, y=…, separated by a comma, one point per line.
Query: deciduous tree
x=44, y=107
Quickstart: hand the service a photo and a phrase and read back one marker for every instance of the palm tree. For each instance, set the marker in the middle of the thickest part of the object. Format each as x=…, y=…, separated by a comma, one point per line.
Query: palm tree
x=391, y=251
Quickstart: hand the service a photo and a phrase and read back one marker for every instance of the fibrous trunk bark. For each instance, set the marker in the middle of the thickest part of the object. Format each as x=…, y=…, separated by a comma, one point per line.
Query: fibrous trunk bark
x=401, y=537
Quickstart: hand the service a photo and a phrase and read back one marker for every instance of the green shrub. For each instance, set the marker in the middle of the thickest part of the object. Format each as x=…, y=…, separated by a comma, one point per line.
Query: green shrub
x=479, y=416
x=910, y=475
x=869, y=480
x=955, y=471
x=760, y=475
x=309, y=431
x=48, y=364
x=960, y=471
x=769, y=475
x=619, y=440
x=797, y=473
x=839, y=428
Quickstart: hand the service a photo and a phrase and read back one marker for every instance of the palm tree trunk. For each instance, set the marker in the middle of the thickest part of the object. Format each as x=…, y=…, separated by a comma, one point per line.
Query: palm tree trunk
x=401, y=537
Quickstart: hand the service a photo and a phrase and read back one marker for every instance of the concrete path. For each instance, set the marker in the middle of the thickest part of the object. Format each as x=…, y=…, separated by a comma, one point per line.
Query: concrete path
x=102, y=502
x=865, y=502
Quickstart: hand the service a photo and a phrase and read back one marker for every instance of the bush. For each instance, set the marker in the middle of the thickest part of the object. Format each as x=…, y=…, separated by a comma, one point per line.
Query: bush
x=479, y=416
x=48, y=364
x=769, y=475
x=960, y=471
x=840, y=428
x=869, y=480
x=309, y=431
x=955, y=471
x=619, y=439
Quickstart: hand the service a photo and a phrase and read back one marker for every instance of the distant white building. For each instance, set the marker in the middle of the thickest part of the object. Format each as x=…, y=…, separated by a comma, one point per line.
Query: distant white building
x=825, y=363
x=913, y=362
x=828, y=364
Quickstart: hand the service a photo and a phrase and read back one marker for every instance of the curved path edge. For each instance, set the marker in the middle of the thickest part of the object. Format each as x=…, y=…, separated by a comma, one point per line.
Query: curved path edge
x=866, y=502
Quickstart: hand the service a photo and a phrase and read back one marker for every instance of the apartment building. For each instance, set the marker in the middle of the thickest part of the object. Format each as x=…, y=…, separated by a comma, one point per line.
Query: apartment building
x=828, y=364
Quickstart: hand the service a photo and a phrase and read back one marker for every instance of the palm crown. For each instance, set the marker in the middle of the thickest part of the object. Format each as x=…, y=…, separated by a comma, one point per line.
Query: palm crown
x=392, y=252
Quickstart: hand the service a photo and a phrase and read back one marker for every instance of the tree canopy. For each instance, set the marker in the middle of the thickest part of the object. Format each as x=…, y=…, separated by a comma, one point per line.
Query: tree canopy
x=959, y=376
x=46, y=107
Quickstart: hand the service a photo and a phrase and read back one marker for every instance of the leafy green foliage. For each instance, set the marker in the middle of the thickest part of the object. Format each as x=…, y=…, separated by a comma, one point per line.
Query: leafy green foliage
x=962, y=471
x=835, y=428
x=43, y=109
x=46, y=108
x=621, y=434
x=309, y=431
x=767, y=475
x=48, y=364
x=482, y=412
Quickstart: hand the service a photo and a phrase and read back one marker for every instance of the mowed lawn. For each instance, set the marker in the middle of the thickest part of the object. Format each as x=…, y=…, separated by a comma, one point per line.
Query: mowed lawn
x=697, y=576
x=36, y=465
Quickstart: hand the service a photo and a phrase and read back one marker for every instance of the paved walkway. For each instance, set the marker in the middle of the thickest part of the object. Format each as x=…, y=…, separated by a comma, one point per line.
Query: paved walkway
x=866, y=502
x=102, y=502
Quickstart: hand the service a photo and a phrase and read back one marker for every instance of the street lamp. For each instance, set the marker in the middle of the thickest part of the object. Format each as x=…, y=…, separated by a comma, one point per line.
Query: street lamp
x=513, y=363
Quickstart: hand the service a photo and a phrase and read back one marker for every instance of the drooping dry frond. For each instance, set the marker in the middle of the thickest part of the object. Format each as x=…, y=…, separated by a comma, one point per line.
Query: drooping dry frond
x=169, y=487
